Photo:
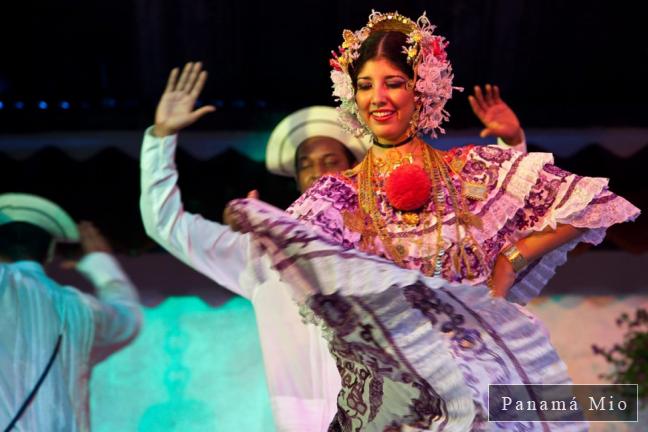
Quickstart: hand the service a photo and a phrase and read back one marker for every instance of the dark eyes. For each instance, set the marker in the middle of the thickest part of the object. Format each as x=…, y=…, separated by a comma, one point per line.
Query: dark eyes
x=396, y=84
x=391, y=84
x=331, y=162
x=328, y=162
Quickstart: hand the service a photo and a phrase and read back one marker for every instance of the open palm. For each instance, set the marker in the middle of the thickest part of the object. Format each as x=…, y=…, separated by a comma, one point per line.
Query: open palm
x=496, y=116
x=175, y=111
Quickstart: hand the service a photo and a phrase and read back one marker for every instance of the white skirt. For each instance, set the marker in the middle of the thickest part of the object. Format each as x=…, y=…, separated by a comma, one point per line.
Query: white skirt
x=414, y=353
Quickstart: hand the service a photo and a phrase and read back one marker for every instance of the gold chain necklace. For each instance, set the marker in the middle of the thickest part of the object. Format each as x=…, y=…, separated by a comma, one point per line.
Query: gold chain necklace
x=463, y=218
x=435, y=166
x=392, y=159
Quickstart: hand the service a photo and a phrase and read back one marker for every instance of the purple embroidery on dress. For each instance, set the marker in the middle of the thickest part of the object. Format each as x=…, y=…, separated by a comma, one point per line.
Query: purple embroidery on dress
x=466, y=343
x=494, y=154
x=429, y=405
x=335, y=312
x=554, y=170
x=328, y=218
x=604, y=199
x=328, y=196
x=500, y=342
x=331, y=189
x=505, y=183
x=342, y=195
x=496, y=337
x=569, y=192
x=362, y=362
x=474, y=168
x=425, y=300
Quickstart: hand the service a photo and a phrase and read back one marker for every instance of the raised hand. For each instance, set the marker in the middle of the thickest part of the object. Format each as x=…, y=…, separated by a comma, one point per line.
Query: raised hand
x=497, y=117
x=175, y=111
x=91, y=239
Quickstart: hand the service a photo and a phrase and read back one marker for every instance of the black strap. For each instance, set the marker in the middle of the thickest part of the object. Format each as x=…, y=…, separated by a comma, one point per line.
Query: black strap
x=31, y=396
x=398, y=144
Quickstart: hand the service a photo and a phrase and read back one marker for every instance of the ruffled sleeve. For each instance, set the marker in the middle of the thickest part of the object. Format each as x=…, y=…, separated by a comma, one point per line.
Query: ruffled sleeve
x=323, y=206
x=536, y=195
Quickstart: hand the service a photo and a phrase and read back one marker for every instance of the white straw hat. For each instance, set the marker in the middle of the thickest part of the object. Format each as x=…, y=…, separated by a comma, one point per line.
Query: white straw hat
x=19, y=207
x=301, y=125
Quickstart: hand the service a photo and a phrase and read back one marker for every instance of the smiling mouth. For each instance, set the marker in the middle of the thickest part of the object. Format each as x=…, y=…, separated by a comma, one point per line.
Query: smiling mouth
x=382, y=116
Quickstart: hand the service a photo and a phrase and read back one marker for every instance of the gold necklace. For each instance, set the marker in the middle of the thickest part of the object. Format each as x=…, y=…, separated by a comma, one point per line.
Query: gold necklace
x=367, y=200
x=367, y=197
x=373, y=223
x=392, y=159
x=463, y=218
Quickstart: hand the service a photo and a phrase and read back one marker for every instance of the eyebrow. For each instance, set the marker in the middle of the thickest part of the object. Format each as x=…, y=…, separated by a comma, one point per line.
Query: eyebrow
x=387, y=77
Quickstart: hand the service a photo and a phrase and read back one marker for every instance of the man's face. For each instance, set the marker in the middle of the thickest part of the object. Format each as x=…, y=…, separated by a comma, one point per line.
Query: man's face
x=317, y=156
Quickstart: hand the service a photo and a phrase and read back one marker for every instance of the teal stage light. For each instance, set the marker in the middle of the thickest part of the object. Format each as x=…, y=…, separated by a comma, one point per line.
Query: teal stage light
x=192, y=368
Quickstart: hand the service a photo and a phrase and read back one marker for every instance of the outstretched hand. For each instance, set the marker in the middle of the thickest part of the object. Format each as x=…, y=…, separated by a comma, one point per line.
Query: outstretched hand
x=497, y=117
x=175, y=111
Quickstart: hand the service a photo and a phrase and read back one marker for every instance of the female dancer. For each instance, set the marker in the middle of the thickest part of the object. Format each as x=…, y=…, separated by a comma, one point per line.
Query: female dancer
x=418, y=343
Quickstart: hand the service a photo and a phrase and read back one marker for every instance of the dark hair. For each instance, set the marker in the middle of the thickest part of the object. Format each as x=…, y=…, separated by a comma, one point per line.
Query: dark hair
x=24, y=241
x=388, y=45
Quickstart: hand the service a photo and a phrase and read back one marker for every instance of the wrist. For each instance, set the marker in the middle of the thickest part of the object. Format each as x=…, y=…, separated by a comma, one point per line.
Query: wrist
x=516, y=139
x=503, y=265
x=515, y=258
x=161, y=131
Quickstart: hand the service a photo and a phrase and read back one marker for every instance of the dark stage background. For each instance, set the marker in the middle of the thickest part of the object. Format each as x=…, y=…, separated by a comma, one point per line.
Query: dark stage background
x=79, y=81
x=559, y=63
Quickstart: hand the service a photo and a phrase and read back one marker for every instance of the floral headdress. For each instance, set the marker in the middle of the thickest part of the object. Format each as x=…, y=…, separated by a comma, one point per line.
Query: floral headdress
x=425, y=52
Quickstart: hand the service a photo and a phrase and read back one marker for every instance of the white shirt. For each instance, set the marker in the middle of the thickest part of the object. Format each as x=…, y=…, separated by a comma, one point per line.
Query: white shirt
x=302, y=378
x=34, y=310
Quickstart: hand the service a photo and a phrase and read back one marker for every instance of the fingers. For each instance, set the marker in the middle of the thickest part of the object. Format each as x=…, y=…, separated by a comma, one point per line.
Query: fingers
x=201, y=112
x=173, y=76
x=199, y=84
x=486, y=98
x=496, y=94
x=486, y=132
x=489, y=95
x=193, y=76
x=192, y=80
x=91, y=238
x=254, y=194
x=87, y=229
x=184, y=77
x=477, y=109
x=479, y=98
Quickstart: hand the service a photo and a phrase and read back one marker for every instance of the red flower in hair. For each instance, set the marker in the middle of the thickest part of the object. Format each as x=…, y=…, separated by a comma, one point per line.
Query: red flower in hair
x=438, y=49
x=408, y=187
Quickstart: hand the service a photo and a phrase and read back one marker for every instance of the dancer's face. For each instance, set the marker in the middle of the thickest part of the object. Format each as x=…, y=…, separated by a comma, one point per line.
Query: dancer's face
x=317, y=156
x=385, y=99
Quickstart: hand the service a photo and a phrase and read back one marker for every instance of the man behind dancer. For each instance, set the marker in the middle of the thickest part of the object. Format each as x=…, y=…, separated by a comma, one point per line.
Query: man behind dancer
x=52, y=335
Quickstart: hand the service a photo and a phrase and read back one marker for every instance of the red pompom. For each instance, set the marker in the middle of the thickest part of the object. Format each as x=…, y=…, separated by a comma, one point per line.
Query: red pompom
x=408, y=187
